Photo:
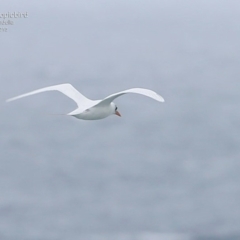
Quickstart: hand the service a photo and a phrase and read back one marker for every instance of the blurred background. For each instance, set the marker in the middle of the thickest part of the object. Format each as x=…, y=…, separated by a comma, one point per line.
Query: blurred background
x=162, y=171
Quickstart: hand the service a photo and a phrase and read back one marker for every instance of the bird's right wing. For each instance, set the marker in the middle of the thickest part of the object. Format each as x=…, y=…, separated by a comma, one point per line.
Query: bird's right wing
x=66, y=89
x=142, y=91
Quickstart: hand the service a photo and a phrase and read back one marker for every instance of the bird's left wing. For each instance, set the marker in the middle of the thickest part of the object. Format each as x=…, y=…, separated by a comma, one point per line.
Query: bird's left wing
x=142, y=91
x=66, y=88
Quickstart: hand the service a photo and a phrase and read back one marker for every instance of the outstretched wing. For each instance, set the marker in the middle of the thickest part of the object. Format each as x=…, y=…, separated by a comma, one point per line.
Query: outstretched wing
x=142, y=91
x=66, y=89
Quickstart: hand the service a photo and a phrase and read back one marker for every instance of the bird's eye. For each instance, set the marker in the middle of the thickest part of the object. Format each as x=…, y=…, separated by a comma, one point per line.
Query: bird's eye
x=115, y=108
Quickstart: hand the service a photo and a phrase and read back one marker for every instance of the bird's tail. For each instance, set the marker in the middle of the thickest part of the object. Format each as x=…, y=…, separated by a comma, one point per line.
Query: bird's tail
x=57, y=114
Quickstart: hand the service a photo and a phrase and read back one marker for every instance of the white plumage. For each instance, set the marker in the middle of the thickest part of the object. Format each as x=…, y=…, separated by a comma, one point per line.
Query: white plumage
x=91, y=109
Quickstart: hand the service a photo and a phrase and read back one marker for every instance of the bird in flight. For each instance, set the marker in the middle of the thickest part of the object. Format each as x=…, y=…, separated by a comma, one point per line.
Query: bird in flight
x=91, y=109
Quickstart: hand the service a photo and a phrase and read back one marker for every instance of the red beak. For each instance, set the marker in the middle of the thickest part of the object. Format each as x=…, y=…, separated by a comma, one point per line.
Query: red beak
x=117, y=113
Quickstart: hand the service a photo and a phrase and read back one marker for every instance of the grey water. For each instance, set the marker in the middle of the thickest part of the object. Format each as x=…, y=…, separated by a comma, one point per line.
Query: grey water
x=163, y=170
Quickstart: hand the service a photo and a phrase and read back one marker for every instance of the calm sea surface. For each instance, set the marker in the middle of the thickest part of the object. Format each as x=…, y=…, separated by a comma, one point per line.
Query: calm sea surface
x=162, y=171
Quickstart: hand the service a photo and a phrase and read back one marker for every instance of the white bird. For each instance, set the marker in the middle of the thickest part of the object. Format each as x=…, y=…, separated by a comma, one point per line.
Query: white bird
x=91, y=109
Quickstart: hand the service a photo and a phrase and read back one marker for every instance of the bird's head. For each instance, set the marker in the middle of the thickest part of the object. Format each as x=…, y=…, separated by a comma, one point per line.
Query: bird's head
x=114, y=109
